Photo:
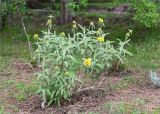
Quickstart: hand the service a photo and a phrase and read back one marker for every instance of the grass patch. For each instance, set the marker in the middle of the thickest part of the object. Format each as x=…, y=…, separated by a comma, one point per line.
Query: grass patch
x=123, y=108
x=13, y=44
x=23, y=91
x=19, y=90
x=124, y=83
x=135, y=107
x=146, y=51
x=3, y=63
x=144, y=45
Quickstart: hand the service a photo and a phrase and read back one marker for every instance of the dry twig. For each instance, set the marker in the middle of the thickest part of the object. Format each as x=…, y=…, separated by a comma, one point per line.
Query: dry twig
x=25, y=31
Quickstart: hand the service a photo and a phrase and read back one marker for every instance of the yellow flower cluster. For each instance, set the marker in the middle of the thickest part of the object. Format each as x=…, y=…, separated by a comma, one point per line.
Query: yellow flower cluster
x=101, y=20
x=74, y=22
x=67, y=73
x=100, y=39
x=35, y=36
x=62, y=34
x=129, y=33
x=99, y=31
x=87, y=62
x=92, y=24
x=74, y=26
x=49, y=22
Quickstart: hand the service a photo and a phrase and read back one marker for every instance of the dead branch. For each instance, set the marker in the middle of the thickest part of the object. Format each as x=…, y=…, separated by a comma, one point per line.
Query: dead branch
x=89, y=88
x=25, y=31
x=101, y=81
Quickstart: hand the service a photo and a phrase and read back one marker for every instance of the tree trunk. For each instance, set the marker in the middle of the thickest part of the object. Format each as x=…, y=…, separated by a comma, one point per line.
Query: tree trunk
x=52, y=4
x=65, y=13
x=78, y=1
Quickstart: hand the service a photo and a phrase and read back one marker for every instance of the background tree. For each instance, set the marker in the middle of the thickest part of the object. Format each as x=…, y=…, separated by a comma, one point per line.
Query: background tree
x=64, y=12
x=8, y=7
x=68, y=7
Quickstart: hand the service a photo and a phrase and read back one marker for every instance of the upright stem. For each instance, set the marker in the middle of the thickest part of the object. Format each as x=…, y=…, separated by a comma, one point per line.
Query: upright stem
x=24, y=28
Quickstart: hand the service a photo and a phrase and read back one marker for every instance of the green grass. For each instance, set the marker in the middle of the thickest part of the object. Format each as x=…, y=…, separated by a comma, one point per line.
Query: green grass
x=22, y=91
x=123, y=108
x=1, y=110
x=144, y=45
x=13, y=44
x=18, y=90
x=145, y=58
x=124, y=83
x=146, y=50
x=94, y=15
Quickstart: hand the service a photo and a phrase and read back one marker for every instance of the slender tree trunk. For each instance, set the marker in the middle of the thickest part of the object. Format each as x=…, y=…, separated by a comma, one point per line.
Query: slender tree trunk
x=65, y=13
x=78, y=1
x=52, y=4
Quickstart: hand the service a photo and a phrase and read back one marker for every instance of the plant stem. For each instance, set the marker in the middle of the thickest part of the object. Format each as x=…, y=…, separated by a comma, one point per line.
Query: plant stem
x=24, y=28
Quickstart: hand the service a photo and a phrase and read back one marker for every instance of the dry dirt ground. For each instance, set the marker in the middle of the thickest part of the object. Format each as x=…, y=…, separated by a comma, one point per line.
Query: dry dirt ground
x=122, y=95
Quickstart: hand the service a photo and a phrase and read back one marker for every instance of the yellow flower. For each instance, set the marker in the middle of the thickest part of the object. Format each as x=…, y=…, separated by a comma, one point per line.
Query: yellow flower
x=130, y=31
x=92, y=24
x=49, y=22
x=74, y=26
x=74, y=22
x=56, y=68
x=67, y=73
x=100, y=39
x=99, y=31
x=62, y=34
x=35, y=36
x=101, y=20
x=87, y=62
x=109, y=50
x=128, y=35
x=50, y=16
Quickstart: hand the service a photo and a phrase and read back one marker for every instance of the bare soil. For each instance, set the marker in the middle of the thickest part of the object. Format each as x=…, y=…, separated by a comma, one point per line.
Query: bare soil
x=85, y=101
